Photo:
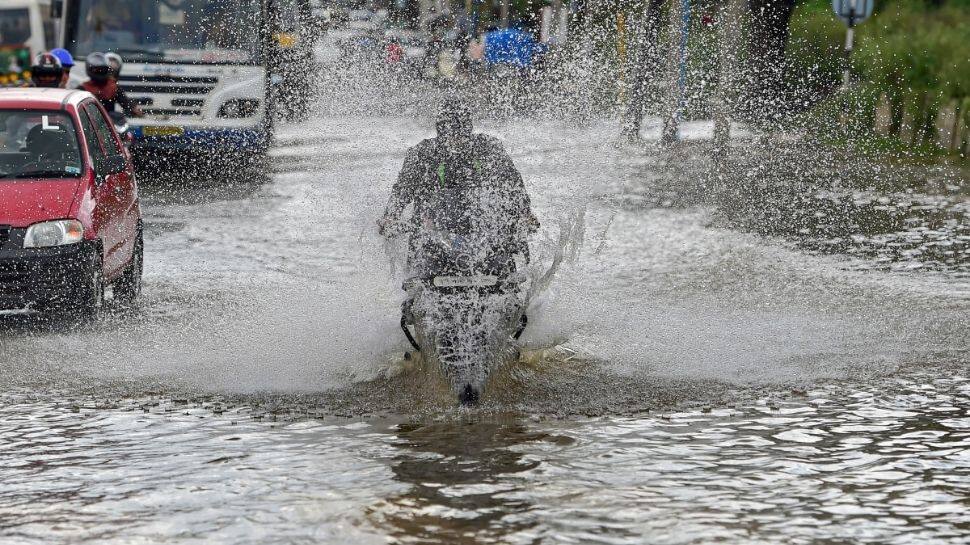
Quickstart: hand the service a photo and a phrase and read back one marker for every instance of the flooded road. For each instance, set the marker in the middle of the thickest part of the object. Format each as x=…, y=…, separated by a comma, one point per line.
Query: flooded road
x=684, y=381
x=847, y=465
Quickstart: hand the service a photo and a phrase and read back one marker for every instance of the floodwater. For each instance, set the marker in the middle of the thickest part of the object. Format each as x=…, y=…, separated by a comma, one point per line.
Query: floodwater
x=684, y=381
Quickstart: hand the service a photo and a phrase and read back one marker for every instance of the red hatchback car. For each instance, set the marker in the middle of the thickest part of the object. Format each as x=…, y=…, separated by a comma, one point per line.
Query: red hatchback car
x=70, y=221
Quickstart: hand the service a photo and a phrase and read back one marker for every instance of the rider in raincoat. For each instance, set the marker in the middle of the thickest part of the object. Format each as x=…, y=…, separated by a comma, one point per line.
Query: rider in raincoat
x=464, y=187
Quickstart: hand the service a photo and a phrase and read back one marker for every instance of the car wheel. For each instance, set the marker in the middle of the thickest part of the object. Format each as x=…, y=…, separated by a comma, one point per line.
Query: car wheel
x=90, y=297
x=128, y=287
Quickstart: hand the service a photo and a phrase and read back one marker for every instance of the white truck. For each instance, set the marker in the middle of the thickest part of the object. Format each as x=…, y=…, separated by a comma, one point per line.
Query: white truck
x=26, y=29
x=200, y=70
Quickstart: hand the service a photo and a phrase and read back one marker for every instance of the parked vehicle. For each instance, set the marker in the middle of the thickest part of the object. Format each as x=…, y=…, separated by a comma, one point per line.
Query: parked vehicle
x=26, y=29
x=70, y=220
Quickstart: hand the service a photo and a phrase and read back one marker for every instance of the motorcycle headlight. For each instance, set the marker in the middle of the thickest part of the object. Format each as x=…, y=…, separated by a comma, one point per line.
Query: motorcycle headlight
x=53, y=233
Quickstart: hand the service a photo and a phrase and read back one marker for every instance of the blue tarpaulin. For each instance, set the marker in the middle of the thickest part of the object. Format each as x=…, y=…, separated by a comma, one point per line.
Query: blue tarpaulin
x=511, y=46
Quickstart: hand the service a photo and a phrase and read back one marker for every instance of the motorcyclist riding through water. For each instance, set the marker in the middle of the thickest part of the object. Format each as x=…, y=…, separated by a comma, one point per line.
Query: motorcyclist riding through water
x=103, y=84
x=469, y=211
x=456, y=160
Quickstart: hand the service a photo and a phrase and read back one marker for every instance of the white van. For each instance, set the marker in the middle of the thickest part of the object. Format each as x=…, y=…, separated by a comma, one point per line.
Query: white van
x=26, y=29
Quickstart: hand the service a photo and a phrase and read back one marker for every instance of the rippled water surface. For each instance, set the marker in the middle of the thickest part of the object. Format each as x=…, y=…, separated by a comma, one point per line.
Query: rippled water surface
x=885, y=465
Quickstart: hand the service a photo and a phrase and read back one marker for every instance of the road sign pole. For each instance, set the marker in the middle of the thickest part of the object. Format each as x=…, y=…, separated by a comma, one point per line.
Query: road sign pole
x=849, y=42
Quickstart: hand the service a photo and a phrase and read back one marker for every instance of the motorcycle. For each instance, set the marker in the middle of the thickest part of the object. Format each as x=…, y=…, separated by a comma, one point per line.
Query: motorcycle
x=466, y=302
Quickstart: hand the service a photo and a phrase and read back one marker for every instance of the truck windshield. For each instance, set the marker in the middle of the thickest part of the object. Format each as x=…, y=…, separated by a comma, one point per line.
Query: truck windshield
x=195, y=31
x=38, y=144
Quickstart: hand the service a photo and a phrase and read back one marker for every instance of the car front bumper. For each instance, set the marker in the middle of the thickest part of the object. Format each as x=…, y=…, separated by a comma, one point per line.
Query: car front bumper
x=42, y=278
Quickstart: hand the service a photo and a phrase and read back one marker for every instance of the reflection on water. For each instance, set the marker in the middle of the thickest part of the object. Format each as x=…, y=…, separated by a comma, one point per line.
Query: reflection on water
x=885, y=464
x=457, y=471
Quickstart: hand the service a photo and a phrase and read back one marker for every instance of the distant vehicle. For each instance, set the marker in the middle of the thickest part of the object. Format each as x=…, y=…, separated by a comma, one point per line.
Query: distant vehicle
x=201, y=70
x=70, y=220
x=26, y=28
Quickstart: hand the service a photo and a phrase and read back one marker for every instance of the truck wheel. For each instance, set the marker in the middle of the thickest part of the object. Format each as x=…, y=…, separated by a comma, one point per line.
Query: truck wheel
x=128, y=287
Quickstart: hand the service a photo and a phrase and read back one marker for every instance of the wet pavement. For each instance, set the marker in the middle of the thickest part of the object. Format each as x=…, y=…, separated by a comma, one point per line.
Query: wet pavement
x=686, y=380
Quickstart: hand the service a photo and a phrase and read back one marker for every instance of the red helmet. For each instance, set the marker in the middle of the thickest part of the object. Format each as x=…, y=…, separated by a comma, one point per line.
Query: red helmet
x=46, y=71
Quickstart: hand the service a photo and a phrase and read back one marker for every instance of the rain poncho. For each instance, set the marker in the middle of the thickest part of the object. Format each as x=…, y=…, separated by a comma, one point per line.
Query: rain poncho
x=476, y=196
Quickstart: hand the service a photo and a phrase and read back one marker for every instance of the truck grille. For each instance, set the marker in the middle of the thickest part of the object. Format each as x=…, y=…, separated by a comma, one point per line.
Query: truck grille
x=180, y=96
x=176, y=85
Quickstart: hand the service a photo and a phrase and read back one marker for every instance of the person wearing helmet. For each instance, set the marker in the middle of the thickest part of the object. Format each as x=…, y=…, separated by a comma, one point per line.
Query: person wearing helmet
x=46, y=71
x=115, y=62
x=102, y=85
x=67, y=62
x=463, y=186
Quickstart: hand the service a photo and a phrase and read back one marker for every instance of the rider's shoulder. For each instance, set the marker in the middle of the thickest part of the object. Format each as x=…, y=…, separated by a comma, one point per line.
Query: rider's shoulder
x=489, y=143
x=425, y=146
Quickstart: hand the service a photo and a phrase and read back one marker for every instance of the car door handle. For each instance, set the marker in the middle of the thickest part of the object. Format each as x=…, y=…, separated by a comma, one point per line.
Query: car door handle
x=119, y=190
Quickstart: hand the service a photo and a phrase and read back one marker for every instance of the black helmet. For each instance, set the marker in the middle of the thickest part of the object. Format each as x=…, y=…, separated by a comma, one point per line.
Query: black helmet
x=46, y=71
x=454, y=119
x=97, y=67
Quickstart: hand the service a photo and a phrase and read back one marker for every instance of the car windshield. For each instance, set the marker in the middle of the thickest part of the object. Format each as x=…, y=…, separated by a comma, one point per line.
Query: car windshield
x=196, y=31
x=38, y=144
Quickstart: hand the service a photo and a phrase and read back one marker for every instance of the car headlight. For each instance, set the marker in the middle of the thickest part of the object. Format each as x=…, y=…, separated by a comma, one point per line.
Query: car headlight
x=53, y=233
x=239, y=108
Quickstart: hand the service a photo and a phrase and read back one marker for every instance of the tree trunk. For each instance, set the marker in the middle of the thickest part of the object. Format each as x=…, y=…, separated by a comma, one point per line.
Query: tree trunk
x=644, y=66
x=896, y=106
x=769, y=20
x=919, y=119
x=728, y=31
x=955, y=130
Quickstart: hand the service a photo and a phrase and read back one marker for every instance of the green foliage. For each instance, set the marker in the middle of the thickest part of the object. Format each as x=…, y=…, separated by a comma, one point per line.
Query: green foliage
x=913, y=52
x=909, y=45
x=815, y=45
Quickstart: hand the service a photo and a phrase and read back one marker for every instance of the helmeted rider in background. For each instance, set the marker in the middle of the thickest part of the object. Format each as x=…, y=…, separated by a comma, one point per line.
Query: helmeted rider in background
x=67, y=61
x=437, y=179
x=46, y=71
x=104, y=86
x=116, y=63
